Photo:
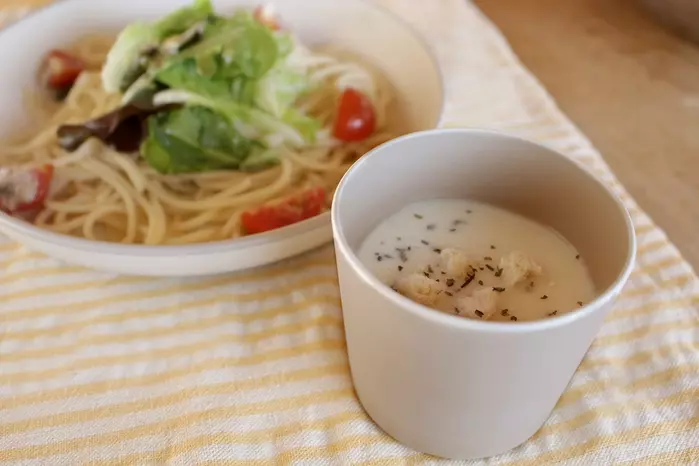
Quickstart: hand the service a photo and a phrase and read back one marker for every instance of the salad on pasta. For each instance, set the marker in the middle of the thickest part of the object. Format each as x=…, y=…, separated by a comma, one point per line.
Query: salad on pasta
x=197, y=127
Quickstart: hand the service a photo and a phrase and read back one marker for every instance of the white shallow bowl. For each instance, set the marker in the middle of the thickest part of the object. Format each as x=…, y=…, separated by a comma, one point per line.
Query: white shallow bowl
x=357, y=26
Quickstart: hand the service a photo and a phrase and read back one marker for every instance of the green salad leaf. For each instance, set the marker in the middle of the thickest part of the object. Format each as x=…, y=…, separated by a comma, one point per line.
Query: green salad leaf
x=244, y=46
x=260, y=158
x=194, y=139
x=211, y=82
x=260, y=123
x=307, y=126
x=124, y=64
x=138, y=43
x=187, y=76
x=279, y=89
x=229, y=86
x=180, y=20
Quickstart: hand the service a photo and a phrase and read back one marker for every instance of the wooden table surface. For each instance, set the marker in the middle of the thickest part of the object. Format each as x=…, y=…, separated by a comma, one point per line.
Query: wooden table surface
x=631, y=86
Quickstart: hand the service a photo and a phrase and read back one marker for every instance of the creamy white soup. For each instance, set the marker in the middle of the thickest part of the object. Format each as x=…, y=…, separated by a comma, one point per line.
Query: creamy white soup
x=477, y=261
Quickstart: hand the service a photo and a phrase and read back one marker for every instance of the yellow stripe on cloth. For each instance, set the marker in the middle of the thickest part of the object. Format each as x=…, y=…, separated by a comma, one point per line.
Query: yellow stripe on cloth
x=682, y=456
x=251, y=368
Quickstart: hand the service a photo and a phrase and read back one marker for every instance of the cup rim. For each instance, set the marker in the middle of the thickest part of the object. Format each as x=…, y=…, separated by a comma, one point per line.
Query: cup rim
x=440, y=318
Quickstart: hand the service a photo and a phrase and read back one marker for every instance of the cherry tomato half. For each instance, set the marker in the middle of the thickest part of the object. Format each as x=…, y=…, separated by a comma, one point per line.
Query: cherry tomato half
x=61, y=69
x=356, y=118
x=293, y=209
x=40, y=180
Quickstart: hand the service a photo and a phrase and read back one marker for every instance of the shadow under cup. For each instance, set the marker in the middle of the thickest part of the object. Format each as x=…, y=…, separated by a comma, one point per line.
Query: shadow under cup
x=456, y=387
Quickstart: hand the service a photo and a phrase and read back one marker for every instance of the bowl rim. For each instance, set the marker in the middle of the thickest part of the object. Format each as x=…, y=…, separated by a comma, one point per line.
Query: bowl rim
x=297, y=229
x=439, y=318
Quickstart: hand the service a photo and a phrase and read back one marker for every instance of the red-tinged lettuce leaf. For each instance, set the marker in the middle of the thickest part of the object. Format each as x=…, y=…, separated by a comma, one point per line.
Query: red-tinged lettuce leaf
x=123, y=129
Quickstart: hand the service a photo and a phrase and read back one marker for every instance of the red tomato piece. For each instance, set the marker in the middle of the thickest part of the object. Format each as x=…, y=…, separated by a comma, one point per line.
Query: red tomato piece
x=61, y=69
x=356, y=118
x=26, y=191
x=265, y=15
x=293, y=209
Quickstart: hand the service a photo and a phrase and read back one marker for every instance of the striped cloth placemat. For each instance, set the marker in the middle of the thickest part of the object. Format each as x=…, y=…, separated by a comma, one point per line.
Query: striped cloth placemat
x=251, y=368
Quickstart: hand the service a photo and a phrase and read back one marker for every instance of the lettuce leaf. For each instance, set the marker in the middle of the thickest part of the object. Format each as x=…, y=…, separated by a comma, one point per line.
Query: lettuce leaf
x=279, y=89
x=123, y=64
x=261, y=122
x=194, y=139
x=130, y=55
x=307, y=126
x=212, y=83
x=227, y=62
x=244, y=47
x=180, y=20
x=260, y=158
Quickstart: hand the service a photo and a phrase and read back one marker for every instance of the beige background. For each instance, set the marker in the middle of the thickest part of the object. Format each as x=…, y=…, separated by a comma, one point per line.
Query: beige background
x=632, y=87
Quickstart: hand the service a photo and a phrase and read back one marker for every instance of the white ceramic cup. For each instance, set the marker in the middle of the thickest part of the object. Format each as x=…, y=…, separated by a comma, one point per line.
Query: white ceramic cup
x=447, y=385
